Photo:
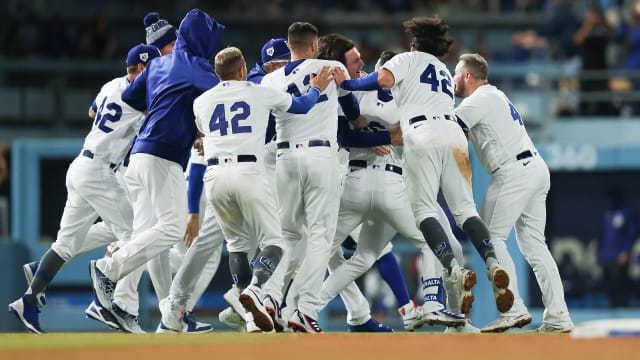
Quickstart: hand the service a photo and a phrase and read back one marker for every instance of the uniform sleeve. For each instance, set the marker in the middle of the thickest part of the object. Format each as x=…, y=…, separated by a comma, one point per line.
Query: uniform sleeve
x=469, y=112
x=275, y=99
x=342, y=92
x=357, y=138
x=135, y=95
x=198, y=116
x=399, y=66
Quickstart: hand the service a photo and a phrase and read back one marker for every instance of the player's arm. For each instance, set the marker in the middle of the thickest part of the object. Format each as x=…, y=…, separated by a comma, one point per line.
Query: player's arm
x=381, y=79
x=318, y=83
x=195, y=184
x=135, y=95
x=360, y=139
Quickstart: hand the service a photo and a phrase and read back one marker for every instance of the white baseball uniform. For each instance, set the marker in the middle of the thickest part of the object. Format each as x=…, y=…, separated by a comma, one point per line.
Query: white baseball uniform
x=92, y=187
x=233, y=116
x=436, y=150
x=516, y=196
x=307, y=178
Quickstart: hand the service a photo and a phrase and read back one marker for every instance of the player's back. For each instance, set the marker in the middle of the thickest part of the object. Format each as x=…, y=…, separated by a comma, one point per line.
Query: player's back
x=234, y=115
x=115, y=124
x=497, y=131
x=321, y=122
x=423, y=86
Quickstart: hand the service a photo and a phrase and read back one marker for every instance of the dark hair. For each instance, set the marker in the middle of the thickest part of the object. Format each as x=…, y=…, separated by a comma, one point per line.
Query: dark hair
x=386, y=55
x=334, y=46
x=428, y=34
x=301, y=35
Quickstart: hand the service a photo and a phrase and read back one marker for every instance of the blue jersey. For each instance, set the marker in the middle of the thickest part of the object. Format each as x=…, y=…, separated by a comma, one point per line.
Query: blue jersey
x=167, y=87
x=256, y=74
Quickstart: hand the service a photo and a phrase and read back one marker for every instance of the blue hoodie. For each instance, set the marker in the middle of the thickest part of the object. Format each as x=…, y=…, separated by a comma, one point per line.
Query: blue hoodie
x=256, y=74
x=167, y=87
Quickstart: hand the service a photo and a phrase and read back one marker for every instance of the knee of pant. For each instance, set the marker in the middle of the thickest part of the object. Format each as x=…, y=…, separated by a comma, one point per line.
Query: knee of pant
x=65, y=254
x=173, y=229
x=364, y=259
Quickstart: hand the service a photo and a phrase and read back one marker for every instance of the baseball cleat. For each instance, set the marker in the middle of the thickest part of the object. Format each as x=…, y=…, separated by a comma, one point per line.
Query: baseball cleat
x=171, y=321
x=443, y=317
x=372, y=325
x=505, y=322
x=500, y=282
x=273, y=308
x=193, y=326
x=229, y=317
x=411, y=316
x=27, y=314
x=554, y=329
x=303, y=323
x=468, y=328
x=458, y=285
x=126, y=322
x=250, y=300
x=102, y=286
x=98, y=313
x=29, y=273
x=232, y=299
x=251, y=325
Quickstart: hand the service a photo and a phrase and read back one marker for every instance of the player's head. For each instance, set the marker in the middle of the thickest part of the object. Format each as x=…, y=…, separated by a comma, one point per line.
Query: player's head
x=275, y=54
x=472, y=71
x=385, y=56
x=428, y=34
x=160, y=33
x=340, y=48
x=303, y=39
x=230, y=64
x=138, y=57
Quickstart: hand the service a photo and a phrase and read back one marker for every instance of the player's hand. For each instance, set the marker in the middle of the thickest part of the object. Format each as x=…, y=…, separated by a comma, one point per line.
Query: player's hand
x=322, y=79
x=197, y=144
x=339, y=76
x=193, y=227
x=396, y=135
x=381, y=150
x=362, y=73
x=360, y=122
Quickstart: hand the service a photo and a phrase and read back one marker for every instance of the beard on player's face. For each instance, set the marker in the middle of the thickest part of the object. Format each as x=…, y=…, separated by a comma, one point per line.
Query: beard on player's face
x=459, y=89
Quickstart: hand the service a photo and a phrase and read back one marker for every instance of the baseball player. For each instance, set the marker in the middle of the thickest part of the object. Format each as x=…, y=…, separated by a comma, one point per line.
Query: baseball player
x=160, y=33
x=93, y=190
x=517, y=193
x=159, y=155
x=374, y=196
x=307, y=172
x=436, y=154
x=233, y=116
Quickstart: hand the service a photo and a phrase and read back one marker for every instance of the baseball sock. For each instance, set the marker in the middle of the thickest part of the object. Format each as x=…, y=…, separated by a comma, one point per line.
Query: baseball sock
x=49, y=266
x=390, y=272
x=265, y=263
x=478, y=233
x=438, y=242
x=240, y=269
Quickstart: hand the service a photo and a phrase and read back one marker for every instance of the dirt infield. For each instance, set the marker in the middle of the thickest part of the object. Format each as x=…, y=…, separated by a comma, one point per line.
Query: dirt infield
x=332, y=346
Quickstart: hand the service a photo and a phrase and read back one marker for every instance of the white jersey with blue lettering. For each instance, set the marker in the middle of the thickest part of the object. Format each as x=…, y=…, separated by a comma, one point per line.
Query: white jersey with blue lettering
x=422, y=86
x=115, y=124
x=233, y=116
x=495, y=127
x=321, y=122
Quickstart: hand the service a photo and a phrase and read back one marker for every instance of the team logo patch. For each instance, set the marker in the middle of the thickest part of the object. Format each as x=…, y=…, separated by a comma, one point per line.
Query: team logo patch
x=270, y=51
x=144, y=57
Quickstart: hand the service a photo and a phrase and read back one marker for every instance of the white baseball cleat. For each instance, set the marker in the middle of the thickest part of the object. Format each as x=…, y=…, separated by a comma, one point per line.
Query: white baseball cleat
x=250, y=298
x=468, y=328
x=506, y=322
x=555, y=329
x=171, y=321
x=458, y=285
x=443, y=317
x=126, y=322
x=98, y=313
x=411, y=316
x=232, y=297
x=304, y=323
x=500, y=282
x=229, y=317
x=273, y=308
x=102, y=286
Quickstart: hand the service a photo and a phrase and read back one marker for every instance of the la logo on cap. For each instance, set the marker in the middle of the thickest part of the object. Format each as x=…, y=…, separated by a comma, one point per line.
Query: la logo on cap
x=270, y=51
x=144, y=57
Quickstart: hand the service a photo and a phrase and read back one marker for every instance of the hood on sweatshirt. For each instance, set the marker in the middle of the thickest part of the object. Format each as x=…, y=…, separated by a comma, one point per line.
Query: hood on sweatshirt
x=199, y=34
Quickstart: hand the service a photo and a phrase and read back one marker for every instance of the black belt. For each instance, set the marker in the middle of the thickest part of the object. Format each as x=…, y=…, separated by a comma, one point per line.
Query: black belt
x=387, y=167
x=415, y=119
x=524, y=155
x=312, y=143
x=238, y=158
x=89, y=154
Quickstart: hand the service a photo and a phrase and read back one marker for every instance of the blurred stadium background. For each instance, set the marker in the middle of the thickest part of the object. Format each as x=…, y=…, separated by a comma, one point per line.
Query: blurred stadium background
x=580, y=102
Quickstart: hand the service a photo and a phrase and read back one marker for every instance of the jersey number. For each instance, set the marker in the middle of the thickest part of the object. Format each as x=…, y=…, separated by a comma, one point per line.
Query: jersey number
x=515, y=114
x=219, y=118
x=293, y=89
x=113, y=113
x=429, y=76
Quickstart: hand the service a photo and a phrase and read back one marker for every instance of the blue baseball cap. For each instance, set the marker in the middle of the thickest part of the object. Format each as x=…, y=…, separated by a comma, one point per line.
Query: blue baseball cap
x=141, y=54
x=275, y=49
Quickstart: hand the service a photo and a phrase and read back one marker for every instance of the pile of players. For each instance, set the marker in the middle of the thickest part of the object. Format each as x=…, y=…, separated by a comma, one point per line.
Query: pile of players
x=283, y=163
